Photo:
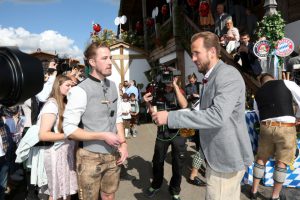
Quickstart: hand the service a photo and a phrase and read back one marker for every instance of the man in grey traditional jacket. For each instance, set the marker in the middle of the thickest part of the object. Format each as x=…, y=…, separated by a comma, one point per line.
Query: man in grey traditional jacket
x=221, y=120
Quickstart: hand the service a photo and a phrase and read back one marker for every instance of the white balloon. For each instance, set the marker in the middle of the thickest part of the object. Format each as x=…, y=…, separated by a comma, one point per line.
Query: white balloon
x=156, y=11
x=153, y=13
x=168, y=1
x=123, y=19
x=117, y=21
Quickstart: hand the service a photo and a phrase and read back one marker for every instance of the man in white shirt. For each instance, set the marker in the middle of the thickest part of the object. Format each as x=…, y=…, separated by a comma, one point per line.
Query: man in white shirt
x=94, y=104
x=274, y=106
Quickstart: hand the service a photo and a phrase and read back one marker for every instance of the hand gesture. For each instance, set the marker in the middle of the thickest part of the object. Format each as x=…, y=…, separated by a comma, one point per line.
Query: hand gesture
x=148, y=97
x=112, y=139
x=123, y=153
x=175, y=79
x=160, y=118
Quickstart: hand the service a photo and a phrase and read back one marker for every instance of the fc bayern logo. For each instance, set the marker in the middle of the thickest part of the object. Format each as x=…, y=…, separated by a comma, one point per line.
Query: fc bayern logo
x=261, y=48
x=284, y=47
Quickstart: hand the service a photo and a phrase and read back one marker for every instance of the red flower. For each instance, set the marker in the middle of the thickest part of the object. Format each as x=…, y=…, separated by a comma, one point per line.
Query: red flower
x=97, y=28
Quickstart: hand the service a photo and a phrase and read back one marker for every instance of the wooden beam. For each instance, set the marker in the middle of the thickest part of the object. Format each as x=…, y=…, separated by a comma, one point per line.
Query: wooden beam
x=128, y=65
x=116, y=66
x=122, y=57
x=122, y=64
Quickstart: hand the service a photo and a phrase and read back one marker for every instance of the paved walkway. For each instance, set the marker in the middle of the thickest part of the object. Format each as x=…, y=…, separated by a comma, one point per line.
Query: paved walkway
x=139, y=164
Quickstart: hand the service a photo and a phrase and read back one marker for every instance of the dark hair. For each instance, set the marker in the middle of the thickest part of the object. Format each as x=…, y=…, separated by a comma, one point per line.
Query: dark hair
x=132, y=95
x=245, y=34
x=210, y=40
x=125, y=96
x=193, y=75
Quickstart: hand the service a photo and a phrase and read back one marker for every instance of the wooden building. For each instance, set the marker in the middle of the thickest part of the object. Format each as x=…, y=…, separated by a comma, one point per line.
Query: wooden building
x=46, y=57
x=167, y=41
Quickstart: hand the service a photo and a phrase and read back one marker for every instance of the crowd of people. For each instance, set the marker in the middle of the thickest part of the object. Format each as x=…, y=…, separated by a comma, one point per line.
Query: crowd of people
x=55, y=134
x=71, y=137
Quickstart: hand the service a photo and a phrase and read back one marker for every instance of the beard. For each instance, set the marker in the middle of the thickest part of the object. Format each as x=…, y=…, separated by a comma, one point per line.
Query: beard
x=204, y=66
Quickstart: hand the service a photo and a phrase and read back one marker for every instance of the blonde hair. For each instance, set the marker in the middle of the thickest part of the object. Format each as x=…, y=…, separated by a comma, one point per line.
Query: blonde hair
x=60, y=99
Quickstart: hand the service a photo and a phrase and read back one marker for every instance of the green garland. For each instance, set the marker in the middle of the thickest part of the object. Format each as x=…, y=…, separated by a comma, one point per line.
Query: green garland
x=271, y=27
x=106, y=36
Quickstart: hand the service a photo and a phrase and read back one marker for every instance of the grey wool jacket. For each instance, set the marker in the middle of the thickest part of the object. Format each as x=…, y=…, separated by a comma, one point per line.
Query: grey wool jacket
x=221, y=121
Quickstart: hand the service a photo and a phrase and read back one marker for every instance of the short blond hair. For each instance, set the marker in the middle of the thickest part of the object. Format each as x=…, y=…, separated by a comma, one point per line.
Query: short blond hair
x=210, y=40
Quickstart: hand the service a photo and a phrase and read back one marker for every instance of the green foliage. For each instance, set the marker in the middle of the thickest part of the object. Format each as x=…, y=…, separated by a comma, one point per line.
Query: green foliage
x=105, y=36
x=271, y=27
x=132, y=38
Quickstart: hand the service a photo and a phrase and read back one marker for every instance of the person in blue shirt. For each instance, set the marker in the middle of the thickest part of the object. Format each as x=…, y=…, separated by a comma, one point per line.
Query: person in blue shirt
x=132, y=89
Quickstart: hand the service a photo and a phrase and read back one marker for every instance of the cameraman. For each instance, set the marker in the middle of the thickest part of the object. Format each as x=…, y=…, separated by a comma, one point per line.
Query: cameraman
x=173, y=97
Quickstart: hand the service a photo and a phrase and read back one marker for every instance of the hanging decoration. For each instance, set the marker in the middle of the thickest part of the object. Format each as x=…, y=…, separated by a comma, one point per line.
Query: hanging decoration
x=150, y=22
x=164, y=10
x=192, y=3
x=205, y=15
x=139, y=27
x=118, y=22
x=204, y=9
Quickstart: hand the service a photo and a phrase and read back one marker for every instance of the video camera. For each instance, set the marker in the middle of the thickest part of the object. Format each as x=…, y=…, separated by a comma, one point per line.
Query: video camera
x=158, y=86
x=21, y=76
x=168, y=74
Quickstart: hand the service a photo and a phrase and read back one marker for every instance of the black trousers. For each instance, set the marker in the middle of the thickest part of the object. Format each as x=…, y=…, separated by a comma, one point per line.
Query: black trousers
x=178, y=155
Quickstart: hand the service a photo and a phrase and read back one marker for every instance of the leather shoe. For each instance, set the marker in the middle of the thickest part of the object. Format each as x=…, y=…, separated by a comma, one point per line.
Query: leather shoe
x=196, y=181
x=253, y=196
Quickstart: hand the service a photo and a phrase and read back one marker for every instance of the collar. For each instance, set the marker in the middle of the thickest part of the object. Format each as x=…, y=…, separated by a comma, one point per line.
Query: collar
x=206, y=76
x=209, y=72
x=94, y=78
x=222, y=15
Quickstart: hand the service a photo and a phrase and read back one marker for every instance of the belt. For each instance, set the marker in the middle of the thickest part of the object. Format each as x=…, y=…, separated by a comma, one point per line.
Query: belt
x=283, y=124
x=42, y=143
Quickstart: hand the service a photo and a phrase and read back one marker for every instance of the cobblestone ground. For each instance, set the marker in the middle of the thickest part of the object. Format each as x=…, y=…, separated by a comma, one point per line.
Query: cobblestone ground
x=139, y=165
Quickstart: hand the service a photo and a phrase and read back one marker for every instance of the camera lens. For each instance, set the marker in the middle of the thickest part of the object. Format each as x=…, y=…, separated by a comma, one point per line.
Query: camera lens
x=21, y=76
